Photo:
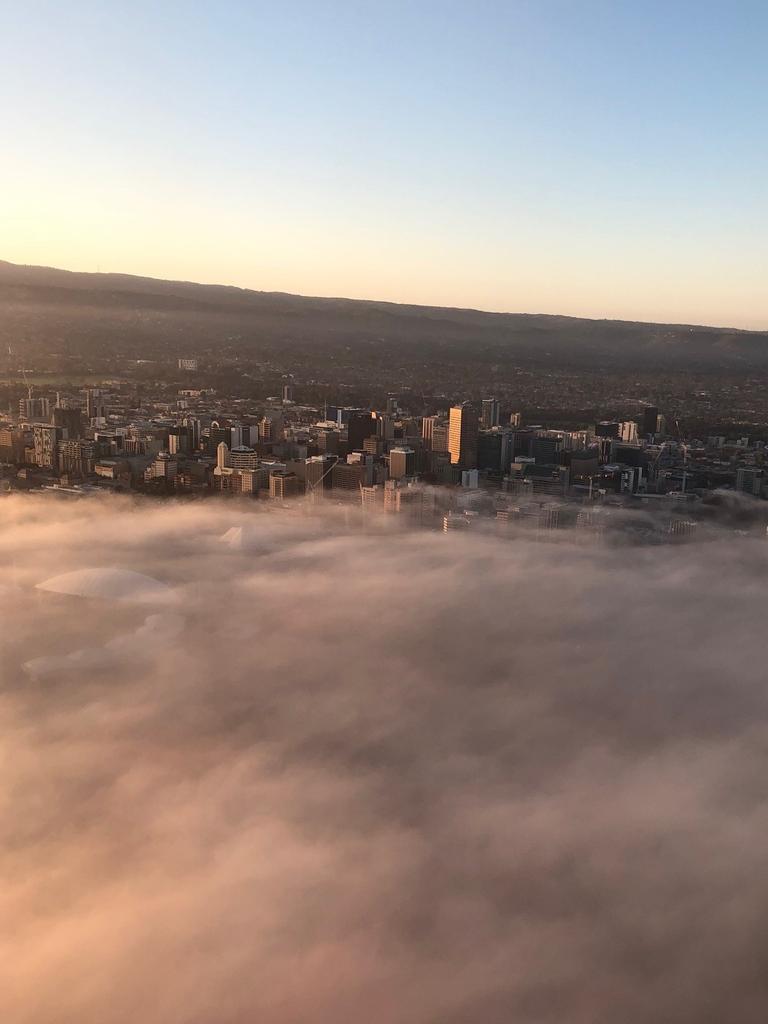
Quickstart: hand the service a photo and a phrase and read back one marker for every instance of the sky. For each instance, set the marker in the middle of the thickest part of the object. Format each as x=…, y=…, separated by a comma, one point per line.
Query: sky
x=589, y=158
x=396, y=805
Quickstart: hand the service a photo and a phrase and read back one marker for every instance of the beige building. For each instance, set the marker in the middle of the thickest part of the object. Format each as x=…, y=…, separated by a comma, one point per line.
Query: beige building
x=462, y=437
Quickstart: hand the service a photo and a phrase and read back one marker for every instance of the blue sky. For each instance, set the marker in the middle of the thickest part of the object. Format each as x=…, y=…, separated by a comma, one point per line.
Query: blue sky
x=594, y=158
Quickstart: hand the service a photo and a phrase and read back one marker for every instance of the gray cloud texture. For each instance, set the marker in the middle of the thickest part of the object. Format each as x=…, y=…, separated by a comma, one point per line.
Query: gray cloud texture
x=400, y=779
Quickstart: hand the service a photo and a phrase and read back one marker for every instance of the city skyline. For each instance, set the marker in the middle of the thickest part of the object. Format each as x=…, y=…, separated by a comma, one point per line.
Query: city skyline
x=384, y=504
x=602, y=160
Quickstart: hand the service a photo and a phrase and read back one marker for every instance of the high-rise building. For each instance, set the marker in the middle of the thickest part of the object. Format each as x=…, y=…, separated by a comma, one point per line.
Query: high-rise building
x=95, y=408
x=283, y=485
x=360, y=426
x=649, y=421
x=402, y=462
x=271, y=427
x=163, y=467
x=749, y=480
x=193, y=425
x=372, y=498
x=348, y=476
x=462, y=436
x=31, y=408
x=607, y=428
x=374, y=445
x=76, y=457
x=494, y=450
x=328, y=440
x=440, y=437
x=490, y=413
x=70, y=420
x=546, y=449
x=318, y=474
x=456, y=521
x=515, y=419
x=385, y=425
x=243, y=457
x=11, y=444
x=46, y=438
x=287, y=392
x=427, y=429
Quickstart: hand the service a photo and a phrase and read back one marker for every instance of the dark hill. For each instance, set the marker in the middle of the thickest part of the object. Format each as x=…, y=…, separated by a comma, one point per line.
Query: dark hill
x=98, y=316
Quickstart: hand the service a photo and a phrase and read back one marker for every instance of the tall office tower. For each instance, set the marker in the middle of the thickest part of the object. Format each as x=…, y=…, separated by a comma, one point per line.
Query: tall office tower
x=94, y=405
x=46, y=438
x=27, y=408
x=490, y=414
x=392, y=405
x=31, y=408
x=385, y=425
x=194, y=427
x=11, y=444
x=440, y=437
x=515, y=419
x=318, y=473
x=462, y=436
x=359, y=426
x=271, y=427
x=71, y=421
x=494, y=450
x=178, y=441
x=328, y=440
x=427, y=429
x=287, y=392
x=283, y=485
x=546, y=449
x=222, y=455
x=402, y=462
x=749, y=479
x=349, y=476
x=649, y=421
x=628, y=431
x=218, y=435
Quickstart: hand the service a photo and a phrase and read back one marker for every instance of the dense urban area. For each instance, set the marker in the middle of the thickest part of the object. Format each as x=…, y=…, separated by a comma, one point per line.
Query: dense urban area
x=456, y=467
x=407, y=415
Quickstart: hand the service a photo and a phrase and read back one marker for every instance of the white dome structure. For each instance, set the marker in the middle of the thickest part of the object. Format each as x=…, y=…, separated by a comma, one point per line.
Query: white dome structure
x=245, y=538
x=110, y=585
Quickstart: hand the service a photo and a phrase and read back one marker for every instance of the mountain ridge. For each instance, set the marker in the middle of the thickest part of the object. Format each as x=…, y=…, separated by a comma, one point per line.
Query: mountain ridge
x=99, y=315
x=23, y=273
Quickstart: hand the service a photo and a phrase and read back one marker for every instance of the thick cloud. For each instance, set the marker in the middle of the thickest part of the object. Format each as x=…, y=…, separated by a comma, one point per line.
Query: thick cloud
x=400, y=778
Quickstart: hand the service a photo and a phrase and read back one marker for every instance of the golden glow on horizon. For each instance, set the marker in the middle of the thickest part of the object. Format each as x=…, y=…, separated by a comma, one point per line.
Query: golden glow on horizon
x=423, y=263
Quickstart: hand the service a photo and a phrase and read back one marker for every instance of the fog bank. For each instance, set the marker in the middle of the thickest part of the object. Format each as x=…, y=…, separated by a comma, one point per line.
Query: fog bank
x=403, y=778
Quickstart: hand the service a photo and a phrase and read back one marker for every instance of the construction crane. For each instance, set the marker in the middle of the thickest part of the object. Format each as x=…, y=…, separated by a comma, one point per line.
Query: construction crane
x=27, y=385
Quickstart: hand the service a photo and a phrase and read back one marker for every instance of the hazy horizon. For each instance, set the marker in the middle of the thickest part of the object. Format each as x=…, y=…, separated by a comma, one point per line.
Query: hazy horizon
x=598, y=160
x=365, y=298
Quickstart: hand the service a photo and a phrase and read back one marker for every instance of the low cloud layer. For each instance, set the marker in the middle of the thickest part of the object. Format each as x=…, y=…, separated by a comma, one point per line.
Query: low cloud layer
x=399, y=778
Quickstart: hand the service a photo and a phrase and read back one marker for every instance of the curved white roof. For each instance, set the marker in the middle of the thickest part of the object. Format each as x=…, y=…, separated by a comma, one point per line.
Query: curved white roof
x=246, y=536
x=109, y=585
